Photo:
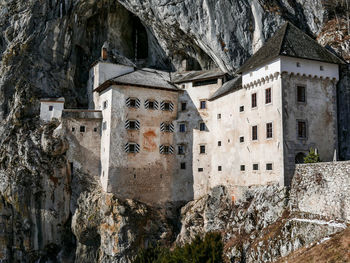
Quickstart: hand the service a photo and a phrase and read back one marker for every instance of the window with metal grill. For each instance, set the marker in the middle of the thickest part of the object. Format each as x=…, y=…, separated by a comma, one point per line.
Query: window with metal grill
x=182, y=127
x=301, y=94
x=82, y=129
x=269, y=130
x=268, y=97
x=255, y=167
x=269, y=166
x=301, y=129
x=181, y=149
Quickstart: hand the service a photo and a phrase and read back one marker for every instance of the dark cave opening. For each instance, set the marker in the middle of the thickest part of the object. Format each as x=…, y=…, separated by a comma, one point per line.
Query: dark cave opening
x=139, y=39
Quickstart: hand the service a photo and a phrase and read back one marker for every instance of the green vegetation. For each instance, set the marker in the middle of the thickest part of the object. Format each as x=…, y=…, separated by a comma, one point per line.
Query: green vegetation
x=208, y=250
x=312, y=157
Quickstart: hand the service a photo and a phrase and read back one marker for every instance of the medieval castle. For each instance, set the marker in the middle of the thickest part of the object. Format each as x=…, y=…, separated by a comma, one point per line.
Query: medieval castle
x=160, y=137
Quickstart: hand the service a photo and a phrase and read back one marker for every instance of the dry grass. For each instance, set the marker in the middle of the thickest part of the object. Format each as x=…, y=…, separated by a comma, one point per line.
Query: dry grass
x=334, y=250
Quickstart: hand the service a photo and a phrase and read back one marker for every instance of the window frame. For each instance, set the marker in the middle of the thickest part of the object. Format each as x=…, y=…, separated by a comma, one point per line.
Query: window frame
x=268, y=95
x=269, y=133
x=82, y=128
x=201, y=105
x=254, y=100
x=242, y=168
x=151, y=102
x=51, y=107
x=255, y=167
x=219, y=168
x=255, y=137
x=305, y=135
x=202, y=126
x=241, y=139
x=179, y=146
x=297, y=94
x=132, y=145
x=200, y=169
x=219, y=143
x=182, y=125
x=241, y=108
x=202, y=149
x=266, y=167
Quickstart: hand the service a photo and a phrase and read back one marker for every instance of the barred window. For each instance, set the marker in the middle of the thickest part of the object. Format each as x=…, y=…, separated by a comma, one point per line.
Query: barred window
x=268, y=98
x=254, y=133
x=269, y=130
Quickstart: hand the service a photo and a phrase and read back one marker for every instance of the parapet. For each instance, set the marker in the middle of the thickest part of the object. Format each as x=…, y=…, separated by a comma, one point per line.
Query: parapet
x=82, y=114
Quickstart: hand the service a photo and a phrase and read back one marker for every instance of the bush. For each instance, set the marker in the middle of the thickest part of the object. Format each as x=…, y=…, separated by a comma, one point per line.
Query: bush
x=208, y=250
x=312, y=157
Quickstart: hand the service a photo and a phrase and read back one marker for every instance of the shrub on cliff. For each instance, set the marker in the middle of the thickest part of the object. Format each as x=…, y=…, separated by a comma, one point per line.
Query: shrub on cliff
x=207, y=250
x=312, y=157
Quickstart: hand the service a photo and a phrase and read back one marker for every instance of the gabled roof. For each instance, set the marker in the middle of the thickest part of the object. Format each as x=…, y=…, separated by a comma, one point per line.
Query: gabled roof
x=197, y=75
x=228, y=87
x=292, y=42
x=141, y=78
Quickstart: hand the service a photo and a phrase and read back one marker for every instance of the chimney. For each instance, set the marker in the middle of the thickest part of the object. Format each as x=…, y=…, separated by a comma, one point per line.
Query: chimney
x=104, y=51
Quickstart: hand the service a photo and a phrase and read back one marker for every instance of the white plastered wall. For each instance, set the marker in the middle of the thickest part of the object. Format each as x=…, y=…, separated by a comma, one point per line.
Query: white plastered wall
x=46, y=114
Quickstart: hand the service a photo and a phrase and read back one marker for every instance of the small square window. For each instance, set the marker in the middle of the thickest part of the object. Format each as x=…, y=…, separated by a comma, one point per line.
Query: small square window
x=105, y=104
x=298, y=64
x=241, y=108
x=167, y=106
x=219, y=143
x=202, y=149
x=203, y=104
x=255, y=167
x=219, y=168
x=132, y=125
x=254, y=101
x=183, y=166
x=132, y=103
x=50, y=108
x=255, y=133
x=166, y=149
x=269, y=130
x=181, y=149
x=202, y=126
x=167, y=127
x=73, y=129
x=219, y=116
x=82, y=128
x=151, y=105
x=200, y=169
x=95, y=129
x=269, y=166
x=182, y=127
x=241, y=139
x=132, y=148
x=242, y=168
x=183, y=106
x=321, y=68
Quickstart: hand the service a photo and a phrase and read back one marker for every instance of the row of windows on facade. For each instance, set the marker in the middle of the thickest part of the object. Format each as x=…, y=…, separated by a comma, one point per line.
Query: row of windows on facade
x=268, y=167
x=300, y=91
x=297, y=64
x=132, y=147
x=149, y=104
x=82, y=128
x=164, y=126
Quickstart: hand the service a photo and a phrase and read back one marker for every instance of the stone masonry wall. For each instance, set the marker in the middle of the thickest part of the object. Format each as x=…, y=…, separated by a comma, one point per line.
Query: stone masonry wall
x=323, y=189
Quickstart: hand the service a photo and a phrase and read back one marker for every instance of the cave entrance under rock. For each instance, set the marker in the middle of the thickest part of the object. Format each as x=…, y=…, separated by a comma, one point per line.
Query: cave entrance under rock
x=139, y=40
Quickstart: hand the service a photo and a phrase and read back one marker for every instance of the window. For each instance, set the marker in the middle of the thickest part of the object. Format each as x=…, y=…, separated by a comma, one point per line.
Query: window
x=269, y=130
x=183, y=106
x=255, y=167
x=205, y=82
x=254, y=133
x=203, y=104
x=105, y=104
x=202, y=126
x=132, y=148
x=166, y=149
x=301, y=129
x=219, y=116
x=321, y=68
x=268, y=98
x=241, y=108
x=151, y=105
x=241, y=139
x=182, y=166
x=269, y=166
x=301, y=94
x=219, y=168
x=254, y=103
x=82, y=128
x=166, y=106
x=132, y=125
x=182, y=127
x=183, y=86
x=219, y=143
x=167, y=127
x=242, y=168
x=200, y=169
x=181, y=149
x=95, y=129
x=202, y=149
x=50, y=108
x=104, y=125
x=298, y=64
x=132, y=103
x=73, y=129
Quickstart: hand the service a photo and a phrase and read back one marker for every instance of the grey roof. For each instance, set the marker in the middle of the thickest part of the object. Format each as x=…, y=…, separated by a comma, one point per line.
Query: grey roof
x=228, y=87
x=144, y=78
x=197, y=75
x=290, y=41
x=59, y=100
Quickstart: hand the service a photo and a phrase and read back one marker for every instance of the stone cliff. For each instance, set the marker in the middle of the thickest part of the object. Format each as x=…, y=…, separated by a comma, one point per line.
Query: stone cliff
x=46, y=48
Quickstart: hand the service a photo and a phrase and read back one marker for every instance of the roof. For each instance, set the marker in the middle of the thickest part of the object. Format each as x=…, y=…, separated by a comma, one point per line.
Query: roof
x=228, y=87
x=57, y=100
x=290, y=41
x=197, y=75
x=142, y=78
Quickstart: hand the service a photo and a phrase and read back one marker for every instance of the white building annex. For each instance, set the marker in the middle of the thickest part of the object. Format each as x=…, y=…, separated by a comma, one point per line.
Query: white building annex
x=165, y=137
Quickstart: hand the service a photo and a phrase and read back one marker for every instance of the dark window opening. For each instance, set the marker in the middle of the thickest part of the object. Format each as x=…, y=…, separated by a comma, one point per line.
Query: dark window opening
x=205, y=82
x=202, y=149
x=181, y=149
x=132, y=125
x=219, y=143
x=140, y=39
x=200, y=169
x=269, y=166
x=202, y=126
x=203, y=104
x=166, y=150
x=132, y=148
x=132, y=103
x=301, y=94
x=182, y=166
x=183, y=106
x=255, y=167
x=254, y=133
x=254, y=102
x=73, y=129
x=219, y=116
x=241, y=108
x=182, y=127
x=50, y=108
x=71, y=168
x=166, y=106
x=269, y=130
x=219, y=168
x=268, y=98
x=95, y=129
x=242, y=168
x=104, y=125
x=241, y=139
x=105, y=104
x=301, y=129
x=167, y=127
x=82, y=129
x=151, y=105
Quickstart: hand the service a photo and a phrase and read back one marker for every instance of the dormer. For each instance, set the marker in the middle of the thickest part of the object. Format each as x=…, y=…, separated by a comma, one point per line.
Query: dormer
x=51, y=108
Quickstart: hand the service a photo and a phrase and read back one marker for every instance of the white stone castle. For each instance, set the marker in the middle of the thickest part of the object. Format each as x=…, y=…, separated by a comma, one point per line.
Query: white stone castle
x=160, y=137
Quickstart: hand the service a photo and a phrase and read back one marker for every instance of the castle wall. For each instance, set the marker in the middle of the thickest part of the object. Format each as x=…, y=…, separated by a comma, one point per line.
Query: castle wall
x=84, y=147
x=56, y=112
x=320, y=114
x=147, y=175
x=193, y=138
x=234, y=124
